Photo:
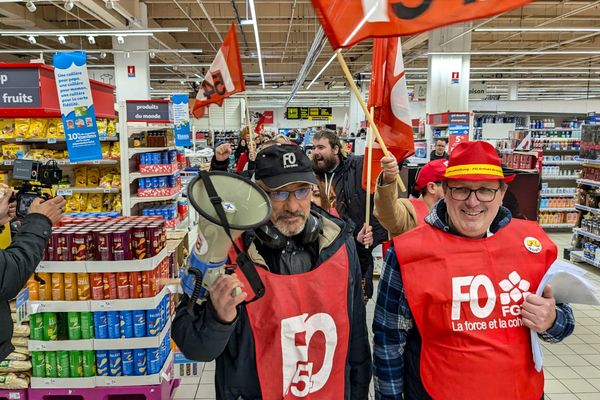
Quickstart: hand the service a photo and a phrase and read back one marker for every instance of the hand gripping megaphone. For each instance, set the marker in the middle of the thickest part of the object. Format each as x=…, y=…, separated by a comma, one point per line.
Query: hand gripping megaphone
x=228, y=205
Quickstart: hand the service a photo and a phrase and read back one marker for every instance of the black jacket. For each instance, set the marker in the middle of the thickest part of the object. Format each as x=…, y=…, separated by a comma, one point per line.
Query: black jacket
x=17, y=263
x=216, y=165
x=351, y=198
x=205, y=338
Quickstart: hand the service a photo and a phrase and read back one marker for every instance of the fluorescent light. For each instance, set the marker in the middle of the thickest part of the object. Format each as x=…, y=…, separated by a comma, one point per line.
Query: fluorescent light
x=121, y=40
x=31, y=39
x=152, y=54
x=103, y=55
x=110, y=4
x=97, y=32
x=260, y=65
x=511, y=53
x=69, y=5
x=322, y=70
x=544, y=29
x=61, y=39
x=30, y=6
x=247, y=22
x=91, y=40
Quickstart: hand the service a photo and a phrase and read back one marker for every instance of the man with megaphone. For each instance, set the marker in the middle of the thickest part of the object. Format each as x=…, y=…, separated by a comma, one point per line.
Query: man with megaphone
x=297, y=328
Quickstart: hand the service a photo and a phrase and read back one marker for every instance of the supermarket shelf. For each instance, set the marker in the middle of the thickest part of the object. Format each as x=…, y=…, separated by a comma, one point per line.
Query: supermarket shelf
x=147, y=264
x=588, y=161
x=144, y=380
x=588, y=182
x=54, y=345
x=129, y=304
x=557, y=226
x=578, y=256
x=133, y=343
x=137, y=175
x=70, y=191
x=548, y=129
x=558, y=195
x=65, y=162
x=586, y=208
x=558, y=151
x=558, y=177
x=581, y=232
x=136, y=200
x=135, y=128
x=558, y=209
x=137, y=150
x=562, y=162
x=51, y=140
x=35, y=307
x=552, y=139
x=42, y=383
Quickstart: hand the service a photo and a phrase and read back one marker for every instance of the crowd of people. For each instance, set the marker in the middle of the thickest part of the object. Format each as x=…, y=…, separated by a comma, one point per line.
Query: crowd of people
x=441, y=328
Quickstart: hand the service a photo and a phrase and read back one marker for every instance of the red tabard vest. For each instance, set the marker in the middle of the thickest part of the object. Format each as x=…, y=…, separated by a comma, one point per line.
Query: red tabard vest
x=465, y=296
x=421, y=209
x=301, y=331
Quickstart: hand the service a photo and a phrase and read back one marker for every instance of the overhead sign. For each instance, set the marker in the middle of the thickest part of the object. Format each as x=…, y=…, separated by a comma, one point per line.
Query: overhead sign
x=309, y=113
x=478, y=91
x=148, y=111
x=77, y=106
x=181, y=119
x=19, y=87
x=420, y=92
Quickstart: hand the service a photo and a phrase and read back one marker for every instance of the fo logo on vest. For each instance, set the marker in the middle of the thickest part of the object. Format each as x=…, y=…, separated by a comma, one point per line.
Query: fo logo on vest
x=296, y=334
x=513, y=288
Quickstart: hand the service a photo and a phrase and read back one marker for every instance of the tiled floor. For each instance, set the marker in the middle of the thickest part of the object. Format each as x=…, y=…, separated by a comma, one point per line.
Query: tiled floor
x=572, y=368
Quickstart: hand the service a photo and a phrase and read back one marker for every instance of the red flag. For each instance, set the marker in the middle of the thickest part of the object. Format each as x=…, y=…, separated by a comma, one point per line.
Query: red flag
x=224, y=77
x=260, y=124
x=199, y=112
x=347, y=22
x=389, y=96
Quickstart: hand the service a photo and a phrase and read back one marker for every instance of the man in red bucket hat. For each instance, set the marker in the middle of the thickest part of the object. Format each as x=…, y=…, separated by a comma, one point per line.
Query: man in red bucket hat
x=455, y=323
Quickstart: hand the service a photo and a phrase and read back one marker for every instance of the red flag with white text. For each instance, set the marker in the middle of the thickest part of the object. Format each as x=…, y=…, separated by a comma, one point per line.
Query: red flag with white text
x=389, y=96
x=224, y=77
x=347, y=22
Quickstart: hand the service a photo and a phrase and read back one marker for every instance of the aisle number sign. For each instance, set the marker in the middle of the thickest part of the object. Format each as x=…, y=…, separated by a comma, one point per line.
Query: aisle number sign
x=309, y=113
x=77, y=106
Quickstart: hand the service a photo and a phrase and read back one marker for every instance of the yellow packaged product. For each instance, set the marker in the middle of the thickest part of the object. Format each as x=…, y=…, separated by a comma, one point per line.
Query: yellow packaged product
x=93, y=177
x=61, y=128
x=80, y=176
x=73, y=203
x=107, y=202
x=13, y=151
x=7, y=128
x=106, y=181
x=37, y=128
x=52, y=128
x=21, y=127
x=94, y=203
x=83, y=199
x=117, y=206
x=105, y=149
x=111, y=128
x=36, y=154
x=115, y=151
x=116, y=182
x=11, y=381
x=102, y=126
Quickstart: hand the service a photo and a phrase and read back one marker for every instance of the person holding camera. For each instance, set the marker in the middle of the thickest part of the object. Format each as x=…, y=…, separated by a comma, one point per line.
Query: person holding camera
x=19, y=260
x=307, y=336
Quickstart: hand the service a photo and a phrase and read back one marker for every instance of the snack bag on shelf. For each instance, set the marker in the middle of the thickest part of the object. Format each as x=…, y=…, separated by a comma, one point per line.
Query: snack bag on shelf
x=102, y=127
x=111, y=128
x=14, y=366
x=73, y=203
x=7, y=128
x=94, y=203
x=105, y=149
x=14, y=151
x=81, y=178
x=83, y=201
x=37, y=129
x=21, y=330
x=19, y=341
x=106, y=180
x=36, y=154
x=61, y=128
x=14, y=356
x=117, y=206
x=13, y=382
x=116, y=181
x=93, y=177
x=107, y=202
x=115, y=151
x=52, y=128
x=21, y=127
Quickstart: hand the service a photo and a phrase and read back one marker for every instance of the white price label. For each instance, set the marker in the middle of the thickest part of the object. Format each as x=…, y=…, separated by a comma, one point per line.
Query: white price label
x=96, y=162
x=107, y=190
x=51, y=140
x=19, y=139
x=64, y=192
x=8, y=162
x=105, y=305
x=14, y=396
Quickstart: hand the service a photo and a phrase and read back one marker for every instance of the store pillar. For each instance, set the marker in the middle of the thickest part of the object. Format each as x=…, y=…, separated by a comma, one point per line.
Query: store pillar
x=132, y=75
x=513, y=90
x=448, y=75
x=356, y=114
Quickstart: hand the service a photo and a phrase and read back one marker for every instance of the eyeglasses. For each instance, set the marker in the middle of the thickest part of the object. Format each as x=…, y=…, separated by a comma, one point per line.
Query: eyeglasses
x=301, y=194
x=482, y=194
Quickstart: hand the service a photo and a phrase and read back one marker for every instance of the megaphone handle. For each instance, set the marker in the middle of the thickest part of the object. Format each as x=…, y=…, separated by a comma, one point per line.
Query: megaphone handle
x=196, y=291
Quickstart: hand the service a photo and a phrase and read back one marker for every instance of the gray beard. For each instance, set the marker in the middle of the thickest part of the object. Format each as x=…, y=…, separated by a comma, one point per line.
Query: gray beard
x=289, y=233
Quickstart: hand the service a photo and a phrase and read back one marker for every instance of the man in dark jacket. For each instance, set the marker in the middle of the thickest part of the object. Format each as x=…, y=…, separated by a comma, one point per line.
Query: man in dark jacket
x=344, y=175
x=307, y=335
x=20, y=259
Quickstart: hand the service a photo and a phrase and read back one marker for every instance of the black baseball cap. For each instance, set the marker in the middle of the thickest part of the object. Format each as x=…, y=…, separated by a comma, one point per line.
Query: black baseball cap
x=282, y=164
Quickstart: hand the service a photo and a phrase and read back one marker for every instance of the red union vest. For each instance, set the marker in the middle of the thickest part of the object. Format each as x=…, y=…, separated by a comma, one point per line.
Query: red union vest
x=301, y=331
x=421, y=210
x=465, y=296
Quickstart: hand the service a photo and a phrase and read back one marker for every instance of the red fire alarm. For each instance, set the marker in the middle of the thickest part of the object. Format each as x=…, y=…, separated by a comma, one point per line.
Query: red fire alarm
x=131, y=71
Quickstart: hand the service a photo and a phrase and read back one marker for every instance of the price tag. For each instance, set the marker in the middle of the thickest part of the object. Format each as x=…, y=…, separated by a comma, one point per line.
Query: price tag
x=8, y=162
x=51, y=140
x=19, y=139
x=96, y=162
x=65, y=192
x=107, y=190
x=14, y=396
x=105, y=305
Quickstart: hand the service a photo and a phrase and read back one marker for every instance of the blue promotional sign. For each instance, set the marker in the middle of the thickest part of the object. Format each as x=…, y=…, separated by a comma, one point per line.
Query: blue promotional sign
x=458, y=129
x=77, y=106
x=181, y=118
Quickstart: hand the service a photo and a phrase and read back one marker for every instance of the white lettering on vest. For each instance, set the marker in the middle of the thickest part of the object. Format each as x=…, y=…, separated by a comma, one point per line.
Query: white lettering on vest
x=296, y=333
x=474, y=283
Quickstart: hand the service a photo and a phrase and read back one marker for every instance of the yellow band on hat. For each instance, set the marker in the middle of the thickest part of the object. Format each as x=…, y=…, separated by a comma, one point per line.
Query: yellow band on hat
x=474, y=169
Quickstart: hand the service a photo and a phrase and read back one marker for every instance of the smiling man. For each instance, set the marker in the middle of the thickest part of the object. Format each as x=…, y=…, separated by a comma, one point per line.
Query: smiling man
x=455, y=303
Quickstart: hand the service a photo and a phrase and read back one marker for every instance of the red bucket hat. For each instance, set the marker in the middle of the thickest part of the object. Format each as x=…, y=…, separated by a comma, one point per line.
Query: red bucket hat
x=475, y=161
x=433, y=171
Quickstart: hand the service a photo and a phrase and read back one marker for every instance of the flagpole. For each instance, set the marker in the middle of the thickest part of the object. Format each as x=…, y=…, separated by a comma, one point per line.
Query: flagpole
x=369, y=168
x=248, y=123
x=369, y=116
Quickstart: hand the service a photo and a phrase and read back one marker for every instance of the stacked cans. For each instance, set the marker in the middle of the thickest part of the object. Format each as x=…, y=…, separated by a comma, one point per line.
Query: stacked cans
x=166, y=211
x=63, y=364
x=160, y=182
x=158, y=158
x=50, y=326
x=105, y=239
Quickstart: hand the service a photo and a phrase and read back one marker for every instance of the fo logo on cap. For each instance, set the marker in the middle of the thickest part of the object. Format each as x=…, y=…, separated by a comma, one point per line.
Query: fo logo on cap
x=289, y=160
x=532, y=244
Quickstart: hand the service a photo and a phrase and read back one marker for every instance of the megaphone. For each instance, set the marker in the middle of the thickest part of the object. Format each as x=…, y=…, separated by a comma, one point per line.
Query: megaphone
x=228, y=205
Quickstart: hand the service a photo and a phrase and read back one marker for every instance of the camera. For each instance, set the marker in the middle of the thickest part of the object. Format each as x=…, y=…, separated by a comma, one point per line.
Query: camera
x=35, y=176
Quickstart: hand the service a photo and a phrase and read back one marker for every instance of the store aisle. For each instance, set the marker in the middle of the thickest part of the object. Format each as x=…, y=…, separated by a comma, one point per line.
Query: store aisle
x=572, y=368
